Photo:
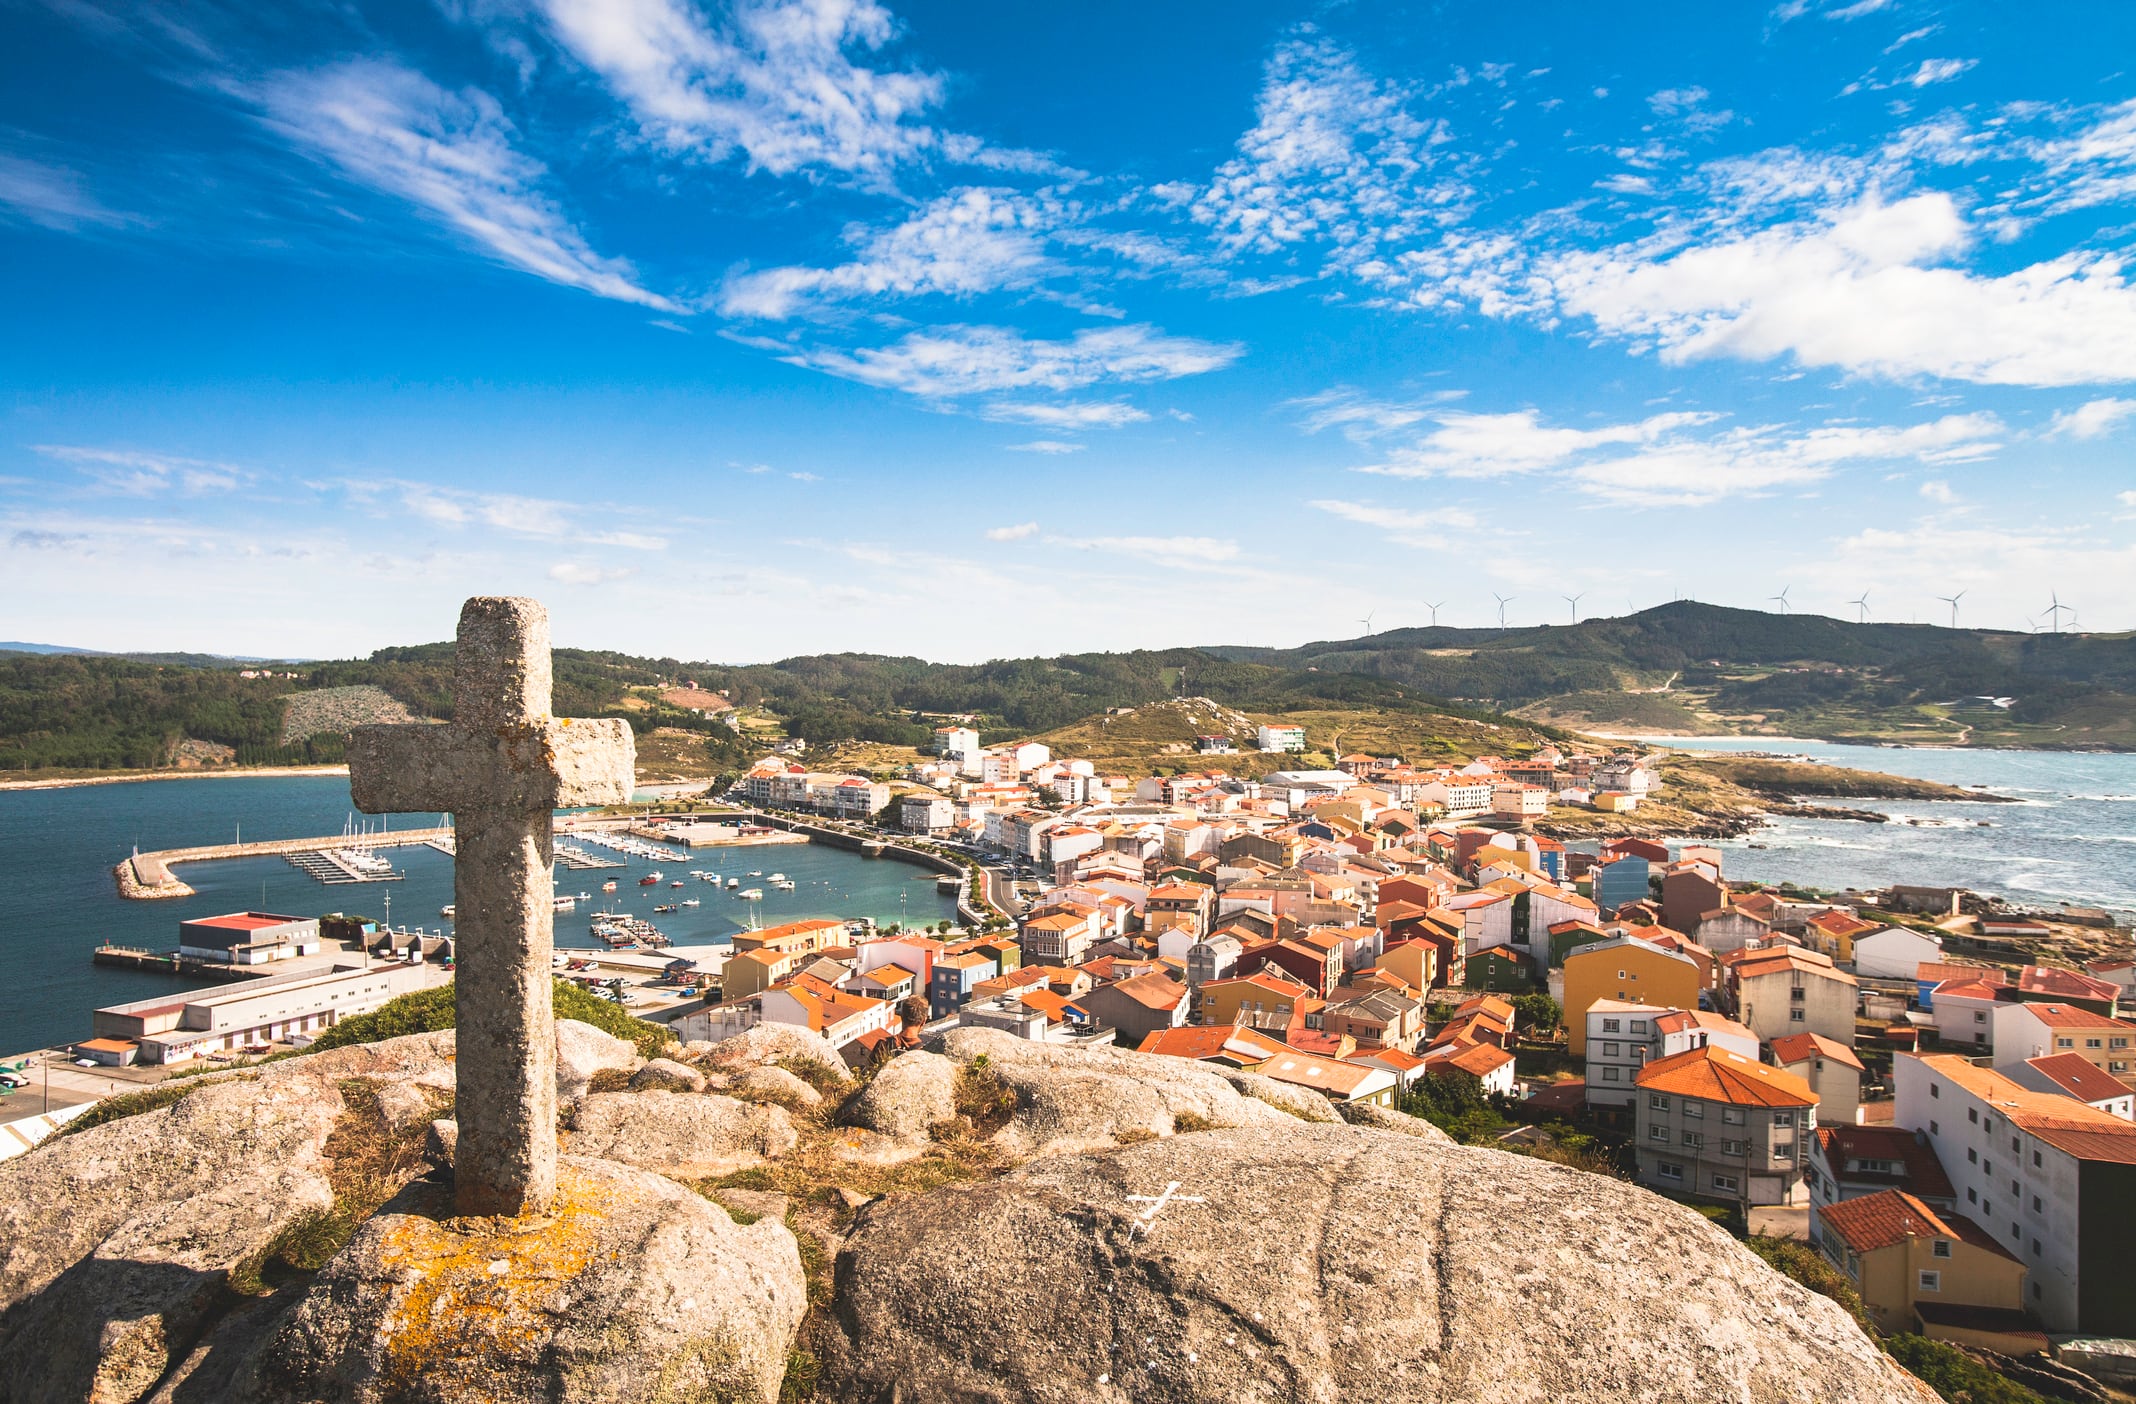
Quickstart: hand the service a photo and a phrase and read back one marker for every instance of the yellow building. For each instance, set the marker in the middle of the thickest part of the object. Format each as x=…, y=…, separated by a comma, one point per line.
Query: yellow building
x=1939, y=1274
x=753, y=972
x=1265, y=998
x=1629, y=969
x=795, y=936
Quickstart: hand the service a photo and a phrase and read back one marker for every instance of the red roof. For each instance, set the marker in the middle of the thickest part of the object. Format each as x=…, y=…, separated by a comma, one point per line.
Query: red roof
x=1797, y=1048
x=2078, y=1078
x=1918, y=1168
x=243, y=921
x=1892, y=1216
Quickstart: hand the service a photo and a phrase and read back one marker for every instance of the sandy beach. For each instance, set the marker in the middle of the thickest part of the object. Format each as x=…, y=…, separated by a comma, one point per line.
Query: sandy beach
x=131, y=776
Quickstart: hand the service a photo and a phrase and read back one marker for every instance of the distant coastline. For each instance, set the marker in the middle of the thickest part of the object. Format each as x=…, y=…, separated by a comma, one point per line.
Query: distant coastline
x=127, y=777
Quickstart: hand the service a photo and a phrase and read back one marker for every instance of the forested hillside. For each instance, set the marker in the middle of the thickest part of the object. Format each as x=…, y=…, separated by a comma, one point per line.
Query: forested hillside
x=1678, y=668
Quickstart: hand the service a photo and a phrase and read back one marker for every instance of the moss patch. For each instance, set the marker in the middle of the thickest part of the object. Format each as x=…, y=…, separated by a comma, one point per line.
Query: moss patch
x=431, y=1010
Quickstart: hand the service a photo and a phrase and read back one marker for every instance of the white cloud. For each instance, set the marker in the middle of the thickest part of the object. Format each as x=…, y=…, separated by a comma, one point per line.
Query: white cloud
x=1625, y=183
x=783, y=82
x=1110, y=414
x=1055, y=446
x=1665, y=459
x=577, y=573
x=2092, y=419
x=1856, y=291
x=393, y=129
x=1406, y=524
x=50, y=195
x=1334, y=155
x=1936, y=490
x=536, y=518
x=971, y=360
x=1938, y=71
x=140, y=474
x=966, y=242
x=1018, y=532
x=1359, y=416
x=1206, y=550
x=2126, y=499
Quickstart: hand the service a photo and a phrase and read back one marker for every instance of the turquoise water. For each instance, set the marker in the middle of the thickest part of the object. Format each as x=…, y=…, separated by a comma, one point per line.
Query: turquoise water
x=57, y=848
x=2071, y=838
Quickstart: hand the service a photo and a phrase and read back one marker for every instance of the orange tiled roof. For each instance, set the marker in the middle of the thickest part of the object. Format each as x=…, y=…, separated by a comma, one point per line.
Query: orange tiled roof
x=1890, y=1217
x=1795, y=1048
x=1714, y=1074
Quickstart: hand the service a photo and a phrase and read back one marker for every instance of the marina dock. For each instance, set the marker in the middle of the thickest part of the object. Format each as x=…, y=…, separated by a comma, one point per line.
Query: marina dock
x=148, y=876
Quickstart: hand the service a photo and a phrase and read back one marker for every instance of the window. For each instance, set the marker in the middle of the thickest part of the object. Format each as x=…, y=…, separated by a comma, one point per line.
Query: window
x=1987, y=1167
x=2035, y=1204
x=2013, y=1145
x=1934, y=1129
x=1610, y=1025
x=1694, y=1109
x=1935, y=1089
x=1941, y=1248
x=1724, y=1182
x=1973, y=1157
x=2035, y=1160
x=1972, y=1196
x=1669, y=1170
x=1979, y=1017
x=2091, y=1043
x=1783, y=1118
x=1972, y=1114
x=2035, y=1289
x=2065, y=1043
x=1931, y=1280
x=1657, y=1133
x=1794, y=1016
x=2117, y=1042
x=1735, y=1148
x=1731, y=1116
x=1695, y=1140
x=1639, y=1026
x=2035, y=1247
x=2016, y=1232
x=1657, y=1101
x=1611, y=1050
x=1609, y=1074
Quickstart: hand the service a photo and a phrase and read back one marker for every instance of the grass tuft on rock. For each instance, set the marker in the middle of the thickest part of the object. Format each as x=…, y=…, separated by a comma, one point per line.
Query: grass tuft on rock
x=127, y=1104
x=431, y=1011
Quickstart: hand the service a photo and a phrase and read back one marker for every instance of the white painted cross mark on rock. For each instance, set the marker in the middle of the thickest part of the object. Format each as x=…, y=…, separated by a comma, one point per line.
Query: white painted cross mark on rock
x=1157, y=1203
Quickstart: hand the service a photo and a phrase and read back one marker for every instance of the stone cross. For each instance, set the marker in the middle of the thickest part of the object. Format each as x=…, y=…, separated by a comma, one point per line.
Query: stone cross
x=501, y=767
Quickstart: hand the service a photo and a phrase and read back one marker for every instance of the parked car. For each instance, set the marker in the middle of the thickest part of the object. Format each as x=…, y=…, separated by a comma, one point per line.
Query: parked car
x=13, y=1080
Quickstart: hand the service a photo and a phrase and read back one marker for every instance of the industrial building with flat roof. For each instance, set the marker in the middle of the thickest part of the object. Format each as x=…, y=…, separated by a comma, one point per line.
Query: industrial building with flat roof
x=175, y=1028
x=248, y=938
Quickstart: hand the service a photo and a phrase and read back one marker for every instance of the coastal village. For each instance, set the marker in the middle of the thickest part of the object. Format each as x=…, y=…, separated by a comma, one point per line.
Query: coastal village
x=1932, y=1091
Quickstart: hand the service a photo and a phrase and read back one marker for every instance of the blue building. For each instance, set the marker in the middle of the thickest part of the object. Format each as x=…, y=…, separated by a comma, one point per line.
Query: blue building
x=1620, y=883
x=949, y=988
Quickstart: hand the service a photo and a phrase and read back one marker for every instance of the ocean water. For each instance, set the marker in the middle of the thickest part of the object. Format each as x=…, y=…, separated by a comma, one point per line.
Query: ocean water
x=57, y=848
x=2071, y=836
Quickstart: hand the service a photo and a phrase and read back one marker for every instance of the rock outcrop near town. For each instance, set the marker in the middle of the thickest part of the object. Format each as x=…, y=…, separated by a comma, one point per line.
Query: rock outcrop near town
x=994, y=1220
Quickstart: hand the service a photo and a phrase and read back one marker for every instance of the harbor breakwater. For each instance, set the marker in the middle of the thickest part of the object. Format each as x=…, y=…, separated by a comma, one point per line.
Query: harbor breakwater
x=148, y=876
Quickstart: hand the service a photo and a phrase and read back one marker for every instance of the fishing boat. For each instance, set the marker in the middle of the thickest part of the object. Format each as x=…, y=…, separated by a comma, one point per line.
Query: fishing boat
x=656, y=875
x=663, y=909
x=691, y=902
x=674, y=884
x=608, y=886
x=649, y=881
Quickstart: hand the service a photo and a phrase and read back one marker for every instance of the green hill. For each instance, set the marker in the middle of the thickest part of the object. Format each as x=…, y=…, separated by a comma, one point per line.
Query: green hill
x=1680, y=668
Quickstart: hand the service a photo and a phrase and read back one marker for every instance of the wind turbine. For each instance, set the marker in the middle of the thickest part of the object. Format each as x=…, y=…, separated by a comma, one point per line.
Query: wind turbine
x=1861, y=604
x=1367, y=621
x=1574, y=601
x=1952, y=601
x=1782, y=598
x=2056, y=610
x=1503, y=601
x=1434, y=608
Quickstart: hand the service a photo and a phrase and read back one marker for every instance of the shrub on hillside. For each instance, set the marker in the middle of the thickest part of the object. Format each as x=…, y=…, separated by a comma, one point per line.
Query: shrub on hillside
x=1955, y=1375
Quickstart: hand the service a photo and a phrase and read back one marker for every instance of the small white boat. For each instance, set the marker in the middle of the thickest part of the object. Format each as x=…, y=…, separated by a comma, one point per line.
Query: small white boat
x=778, y=877
x=786, y=886
x=734, y=882
x=753, y=872
x=690, y=902
x=751, y=894
x=447, y=910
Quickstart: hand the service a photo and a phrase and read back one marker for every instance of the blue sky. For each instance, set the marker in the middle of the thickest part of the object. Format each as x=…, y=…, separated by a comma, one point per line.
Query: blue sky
x=739, y=331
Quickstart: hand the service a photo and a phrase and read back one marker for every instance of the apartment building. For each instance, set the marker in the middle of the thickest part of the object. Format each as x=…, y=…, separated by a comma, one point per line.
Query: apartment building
x=2049, y=1177
x=1713, y=1124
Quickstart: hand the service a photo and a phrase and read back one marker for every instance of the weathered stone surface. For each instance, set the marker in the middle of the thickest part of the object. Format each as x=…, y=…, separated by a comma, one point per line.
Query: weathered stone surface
x=62, y=1199
x=909, y=1094
x=1073, y=1099
x=1324, y=1264
x=773, y=1044
x=583, y=1050
x=689, y=1136
x=113, y=1324
x=631, y=1289
x=1301, y=1102
x=778, y=1086
x=502, y=767
x=1383, y=1119
x=667, y=1075
x=439, y=1143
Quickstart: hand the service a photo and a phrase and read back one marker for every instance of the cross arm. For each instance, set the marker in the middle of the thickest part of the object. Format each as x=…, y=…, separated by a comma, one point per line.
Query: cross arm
x=547, y=763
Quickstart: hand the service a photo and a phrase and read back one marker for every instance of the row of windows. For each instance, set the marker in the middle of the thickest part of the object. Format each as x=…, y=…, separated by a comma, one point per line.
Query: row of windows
x=1669, y=1170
